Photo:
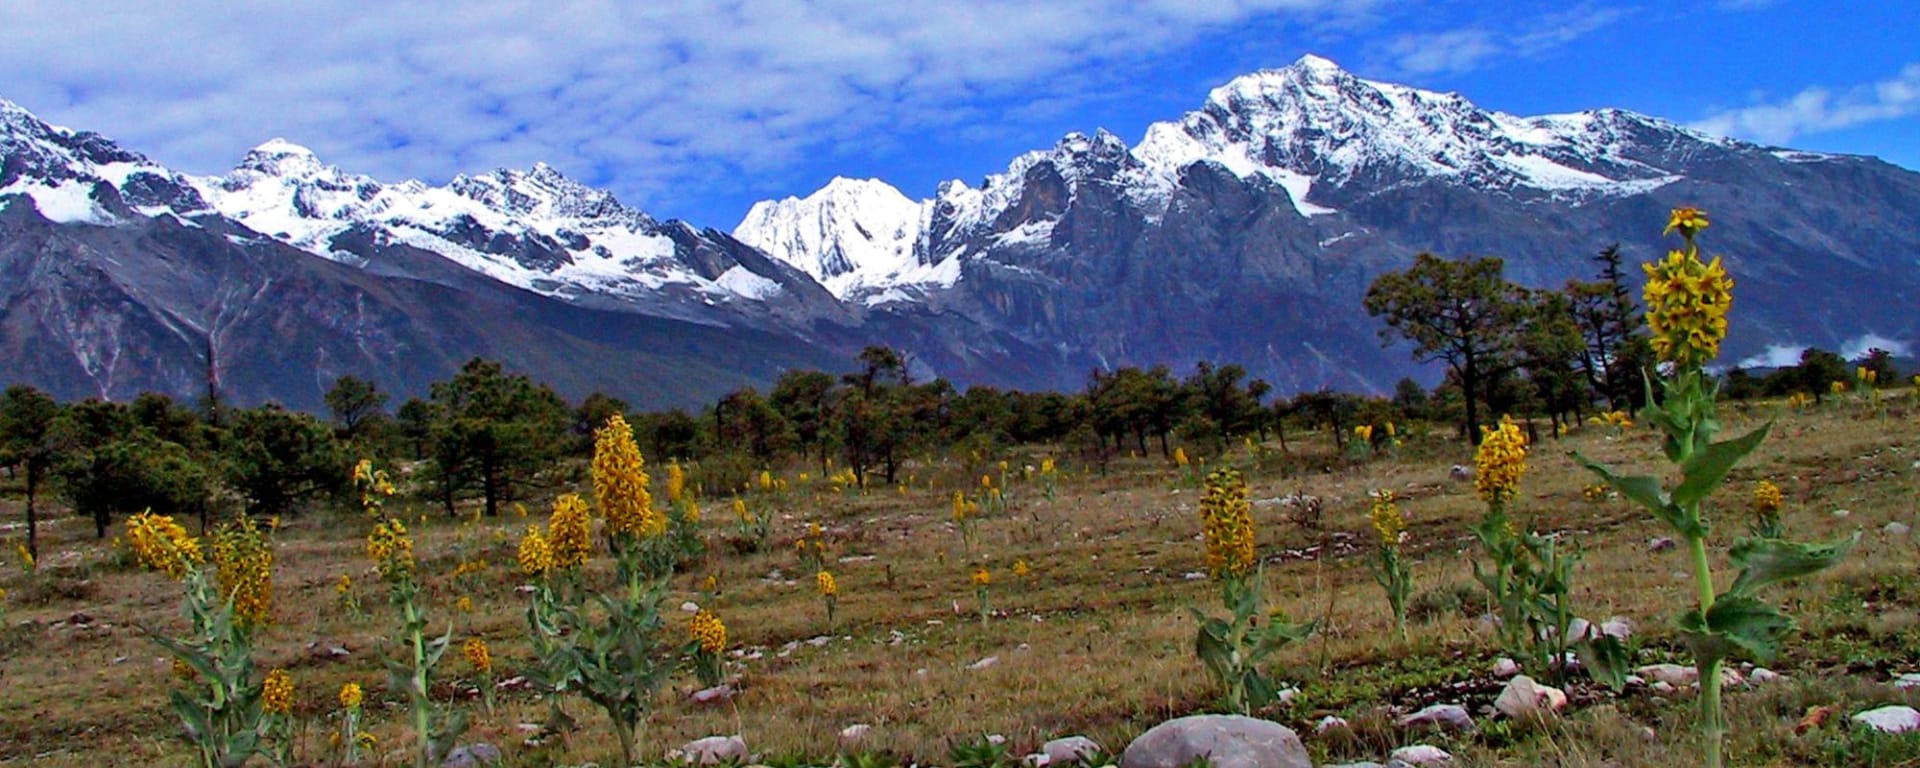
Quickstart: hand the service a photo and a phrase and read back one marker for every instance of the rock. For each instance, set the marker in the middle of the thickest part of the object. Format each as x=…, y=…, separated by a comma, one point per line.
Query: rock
x=1842, y=512
x=1671, y=674
x=1460, y=473
x=1662, y=687
x=1897, y=528
x=1525, y=698
x=1504, y=667
x=1661, y=544
x=1331, y=722
x=1897, y=718
x=715, y=749
x=1906, y=681
x=1618, y=628
x=855, y=734
x=1226, y=741
x=984, y=663
x=472, y=756
x=1578, y=629
x=1451, y=717
x=1731, y=678
x=1069, y=750
x=1362, y=764
x=1421, y=754
x=717, y=693
x=690, y=607
x=1762, y=676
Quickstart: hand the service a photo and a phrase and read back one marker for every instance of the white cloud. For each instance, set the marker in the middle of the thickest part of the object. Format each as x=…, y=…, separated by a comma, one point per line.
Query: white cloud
x=1820, y=109
x=1469, y=48
x=646, y=97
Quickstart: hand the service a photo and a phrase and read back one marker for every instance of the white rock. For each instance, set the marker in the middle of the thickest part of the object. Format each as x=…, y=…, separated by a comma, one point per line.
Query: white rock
x=690, y=607
x=1762, y=676
x=855, y=734
x=1226, y=741
x=1460, y=473
x=1361, y=764
x=1897, y=528
x=996, y=739
x=715, y=749
x=1069, y=749
x=1897, y=718
x=1661, y=544
x=1671, y=674
x=1662, y=687
x=1422, y=754
x=1731, y=678
x=1578, y=629
x=1525, y=698
x=1331, y=722
x=1842, y=512
x=1618, y=628
x=1906, y=681
x=1504, y=667
x=984, y=663
x=1446, y=716
x=711, y=695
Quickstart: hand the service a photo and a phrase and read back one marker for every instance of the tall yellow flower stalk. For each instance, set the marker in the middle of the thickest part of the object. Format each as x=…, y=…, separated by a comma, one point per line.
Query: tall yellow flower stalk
x=163, y=545
x=535, y=555
x=1226, y=522
x=829, y=593
x=569, y=534
x=243, y=563
x=1390, y=570
x=1687, y=299
x=1499, y=463
x=620, y=483
x=708, y=638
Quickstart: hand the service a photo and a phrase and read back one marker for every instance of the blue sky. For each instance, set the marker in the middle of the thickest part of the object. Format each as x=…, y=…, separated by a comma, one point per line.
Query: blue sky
x=695, y=110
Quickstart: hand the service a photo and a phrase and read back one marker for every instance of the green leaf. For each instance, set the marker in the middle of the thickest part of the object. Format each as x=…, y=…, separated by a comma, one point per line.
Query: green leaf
x=1640, y=489
x=1736, y=623
x=1705, y=470
x=1606, y=659
x=1767, y=561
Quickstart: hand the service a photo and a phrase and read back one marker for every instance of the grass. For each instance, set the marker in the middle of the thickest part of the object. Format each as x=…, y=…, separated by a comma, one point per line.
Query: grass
x=1096, y=641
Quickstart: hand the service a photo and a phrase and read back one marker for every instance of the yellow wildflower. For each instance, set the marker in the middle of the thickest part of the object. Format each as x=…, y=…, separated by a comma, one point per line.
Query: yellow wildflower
x=1687, y=220
x=620, y=482
x=740, y=511
x=464, y=604
x=535, y=557
x=569, y=536
x=1388, y=521
x=478, y=656
x=1767, y=498
x=243, y=561
x=276, y=693
x=365, y=739
x=1838, y=387
x=1364, y=434
x=1226, y=520
x=345, y=587
x=766, y=480
x=708, y=630
x=981, y=577
x=1594, y=492
x=959, y=507
x=1500, y=462
x=676, y=481
x=1180, y=456
x=1046, y=466
x=162, y=544
x=391, y=550
x=1687, y=300
x=1021, y=569
x=26, y=557
x=351, y=696
x=827, y=586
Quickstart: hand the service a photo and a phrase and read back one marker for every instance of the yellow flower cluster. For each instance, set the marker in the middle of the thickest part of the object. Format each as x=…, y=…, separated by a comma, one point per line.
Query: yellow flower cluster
x=345, y=586
x=620, y=482
x=391, y=550
x=1046, y=466
x=162, y=544
x=1594, y=492
x=351, y=696
x=276, y=693
x=1687, y=300
x=766, y=480
x=676, y=482
x=478, y=656
x=982, y=578
x=1180, y=456
x=1021, y=569
x=26, y=557
x=1363, y=434
x=827, y=586
x=1767, y=498
x=1620, y=419
x=1388, y=521
x=569, y=535
x=373, y=484
x=963, y=507
x=1226, y=520
x=1838, y=387
x=535, y=556
x=1500, y=462
x=243, y=560
x=708, y=630
x=740, y=511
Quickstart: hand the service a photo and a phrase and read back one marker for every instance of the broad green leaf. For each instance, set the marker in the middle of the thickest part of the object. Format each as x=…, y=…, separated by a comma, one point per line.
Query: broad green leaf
x=1640, y=489
x=1606, y=659
x=1736, y=623
x=1767, y=561
x=1707, y=468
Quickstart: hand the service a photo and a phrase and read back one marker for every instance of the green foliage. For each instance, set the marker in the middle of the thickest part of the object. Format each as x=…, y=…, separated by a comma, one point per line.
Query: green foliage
x=277, y=459
x=492, y=430
x=27, y=440
x=606, y=647
x=980, y=753
x=1235, y=649
x=219, y=703
x=1461, y=313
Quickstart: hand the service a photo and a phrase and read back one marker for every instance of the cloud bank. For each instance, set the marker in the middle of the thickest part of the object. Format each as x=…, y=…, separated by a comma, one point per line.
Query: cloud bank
x=1820, y=109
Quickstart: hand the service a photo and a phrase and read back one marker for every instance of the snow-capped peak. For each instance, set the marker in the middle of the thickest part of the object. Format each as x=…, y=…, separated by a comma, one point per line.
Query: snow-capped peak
x=848, y=234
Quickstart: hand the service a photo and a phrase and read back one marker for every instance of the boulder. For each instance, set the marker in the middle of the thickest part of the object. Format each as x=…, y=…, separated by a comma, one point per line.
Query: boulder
x=1331, y=722
x=1450, y=717
x=1896, y=718
x=1897, y=528
x=1762, y=676
x=1504, y=667
x=1525, y=698
x=1907, y=680
x=1671, y=674
x=1227, y=741
x=1069, y=750
x=1420, y=754
x=1618, y=628
x=713, y=750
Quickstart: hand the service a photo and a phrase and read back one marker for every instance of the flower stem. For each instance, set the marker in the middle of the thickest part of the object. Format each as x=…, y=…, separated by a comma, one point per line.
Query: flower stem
x=1712, y=726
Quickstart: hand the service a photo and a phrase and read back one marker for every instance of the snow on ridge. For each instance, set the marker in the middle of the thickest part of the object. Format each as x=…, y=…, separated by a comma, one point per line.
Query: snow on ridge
x=67, y=202
x=849, y=234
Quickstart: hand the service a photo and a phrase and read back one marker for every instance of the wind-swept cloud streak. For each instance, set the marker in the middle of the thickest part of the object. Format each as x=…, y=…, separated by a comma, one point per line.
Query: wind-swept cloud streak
x=1820, y=109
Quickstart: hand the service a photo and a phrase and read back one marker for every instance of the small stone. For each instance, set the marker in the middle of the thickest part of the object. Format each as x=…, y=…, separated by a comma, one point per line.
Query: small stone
x=1671, y=674
x=1194, y=575
x=1731, y=678
x=1842, y=512
x=984, y=663
x=715, y=749
x=1069, y=749
x=1460, y=473
x=1662, y=687
x=1331, y=722
x=1618, y=628
x=1525, y=698
x=819, y=641
x=690, y=607
x=1661, y=544
x=996, y=739
x=1504, y=667
x=472, y=756
x=855, y=734
x=1445, y=716
x=1907, y=680
x=1762, y=676
x=1897, y=718
x=1897, y=528
x=1361, y=764
x=1226, y=741
x=1422, y=754
x=712, y=695
x=1578, y=629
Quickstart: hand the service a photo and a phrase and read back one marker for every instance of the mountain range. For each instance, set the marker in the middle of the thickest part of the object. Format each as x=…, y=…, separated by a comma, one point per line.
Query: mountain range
x=1245, y=231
